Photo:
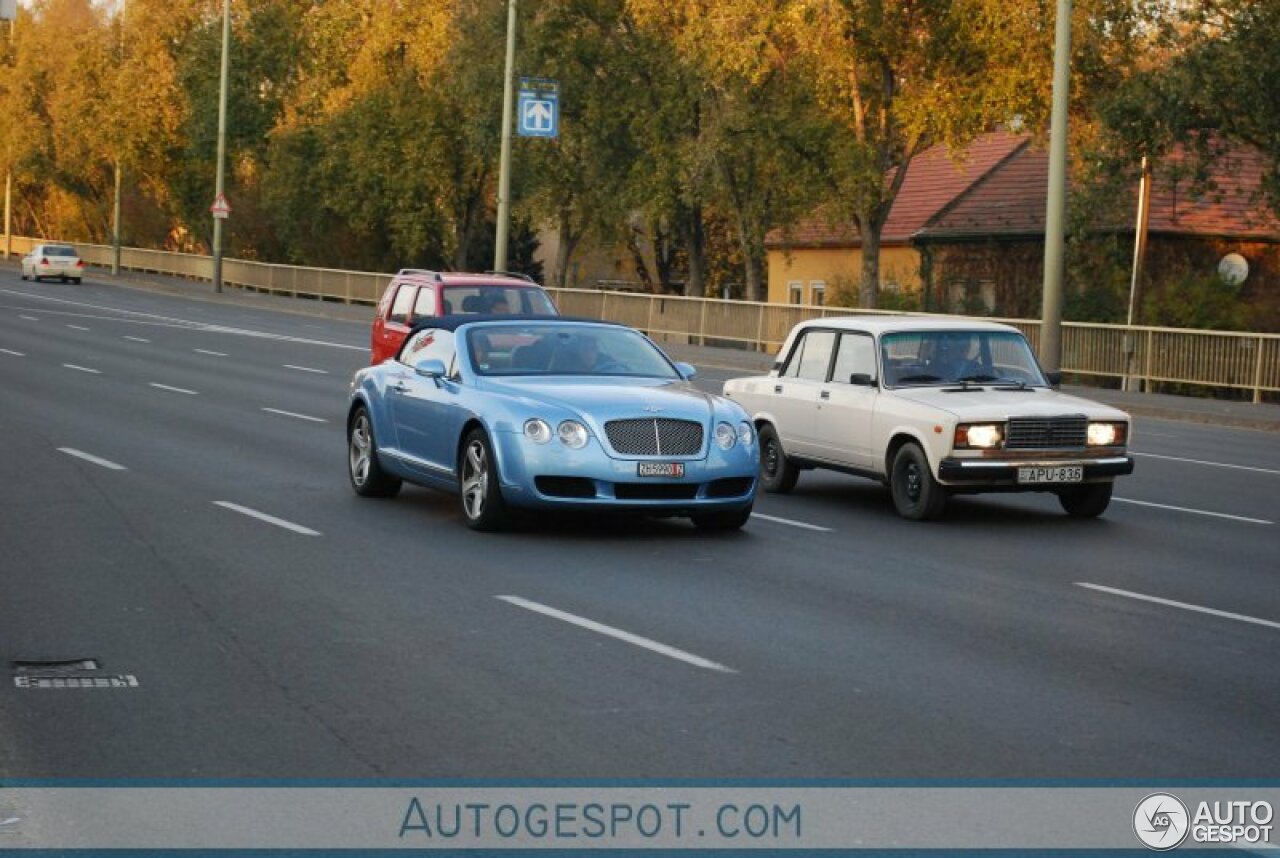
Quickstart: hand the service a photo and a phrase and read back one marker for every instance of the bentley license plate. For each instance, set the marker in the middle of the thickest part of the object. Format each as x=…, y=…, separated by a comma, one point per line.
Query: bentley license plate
x=1060, y=474
x=660, y=469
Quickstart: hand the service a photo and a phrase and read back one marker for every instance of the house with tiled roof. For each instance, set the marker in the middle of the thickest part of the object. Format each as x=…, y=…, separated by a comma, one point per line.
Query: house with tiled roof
x=984, y=250
x=820, y=254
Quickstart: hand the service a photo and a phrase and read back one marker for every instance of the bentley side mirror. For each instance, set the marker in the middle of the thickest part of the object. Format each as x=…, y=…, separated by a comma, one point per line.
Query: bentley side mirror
x=429, y=368
x=687, y=370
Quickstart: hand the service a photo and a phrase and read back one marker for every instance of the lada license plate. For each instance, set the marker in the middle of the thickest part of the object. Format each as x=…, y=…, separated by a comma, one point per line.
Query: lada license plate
x=1059, y=474
x=660, y=469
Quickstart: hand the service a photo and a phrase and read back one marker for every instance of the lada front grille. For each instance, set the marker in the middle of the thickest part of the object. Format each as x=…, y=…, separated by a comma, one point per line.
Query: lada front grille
x=655, y=436
x=1054, y=433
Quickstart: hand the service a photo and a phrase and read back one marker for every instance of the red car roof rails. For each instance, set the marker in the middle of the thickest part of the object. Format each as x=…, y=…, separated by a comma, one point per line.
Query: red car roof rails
x=424, y=271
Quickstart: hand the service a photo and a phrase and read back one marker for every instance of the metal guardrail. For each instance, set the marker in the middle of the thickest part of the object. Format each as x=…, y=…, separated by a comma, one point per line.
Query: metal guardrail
x=1231, y=359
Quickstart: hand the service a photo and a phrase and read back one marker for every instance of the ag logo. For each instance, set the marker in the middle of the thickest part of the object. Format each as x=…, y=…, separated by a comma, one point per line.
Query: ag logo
x=1161, y=821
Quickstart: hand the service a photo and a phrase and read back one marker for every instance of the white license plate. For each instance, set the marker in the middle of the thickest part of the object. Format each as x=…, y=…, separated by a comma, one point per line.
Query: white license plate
x=1060, y=474
x=660, y=469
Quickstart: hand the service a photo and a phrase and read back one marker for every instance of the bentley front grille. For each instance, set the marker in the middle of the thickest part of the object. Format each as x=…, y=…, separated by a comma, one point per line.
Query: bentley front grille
x=655, y=436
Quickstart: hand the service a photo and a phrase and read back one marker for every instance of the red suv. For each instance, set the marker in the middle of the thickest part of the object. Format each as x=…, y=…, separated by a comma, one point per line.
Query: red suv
x=415, y=294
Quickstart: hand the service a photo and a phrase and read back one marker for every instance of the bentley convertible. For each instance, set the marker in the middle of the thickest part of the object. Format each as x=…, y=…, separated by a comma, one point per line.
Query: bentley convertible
x=549, y=414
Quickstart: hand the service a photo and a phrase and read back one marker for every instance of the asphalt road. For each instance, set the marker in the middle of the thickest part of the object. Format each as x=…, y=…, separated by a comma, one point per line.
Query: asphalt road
x=146, y=436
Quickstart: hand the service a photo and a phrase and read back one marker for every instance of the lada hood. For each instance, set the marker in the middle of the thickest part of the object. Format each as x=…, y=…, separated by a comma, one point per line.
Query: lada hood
x=612, y=398
x=991, y=404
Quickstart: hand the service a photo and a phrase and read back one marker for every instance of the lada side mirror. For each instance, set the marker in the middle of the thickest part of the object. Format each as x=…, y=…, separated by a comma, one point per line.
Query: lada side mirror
x=1055, y=378
x=862, y=379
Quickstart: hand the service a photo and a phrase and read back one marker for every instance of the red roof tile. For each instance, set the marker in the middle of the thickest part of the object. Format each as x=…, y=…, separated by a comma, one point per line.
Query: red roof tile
x=933, y=180
x=1011, y=201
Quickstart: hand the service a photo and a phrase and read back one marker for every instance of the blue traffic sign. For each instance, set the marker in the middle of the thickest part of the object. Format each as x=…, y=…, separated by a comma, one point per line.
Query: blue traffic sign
x=538, y=107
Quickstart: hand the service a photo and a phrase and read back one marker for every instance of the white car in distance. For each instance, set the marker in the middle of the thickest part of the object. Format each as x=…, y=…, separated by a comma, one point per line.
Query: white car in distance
x=932, y=407
x=53, y=260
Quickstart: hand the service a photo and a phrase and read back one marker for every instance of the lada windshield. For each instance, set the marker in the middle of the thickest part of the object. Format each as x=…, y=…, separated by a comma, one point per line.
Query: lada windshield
x=928, y=358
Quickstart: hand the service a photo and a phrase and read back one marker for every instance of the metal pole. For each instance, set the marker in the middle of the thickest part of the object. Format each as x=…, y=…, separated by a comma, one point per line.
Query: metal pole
x=115, y=225
x=8, y=213
x=1056, y=212
x=504, y=166
x=115, y=205
x=8, y=172
x=1139, y=254
x=220, y=182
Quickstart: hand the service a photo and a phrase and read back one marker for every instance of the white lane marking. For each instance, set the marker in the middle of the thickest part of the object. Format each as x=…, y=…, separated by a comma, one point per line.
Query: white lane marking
x=137, y=339
x=11, y=820
x=619, y=634
x=294, y=414
x=777, y=520
x=158, y=386
x=1195, y=511
x=28, y=318
x=307, y=369
x=269, y=519
x=80, y=454
x=82, y=368
x=208, y=352
x=77, y=327
x=12, y=352
x=173, y=321
x=1186, y=606
x=1212, y=464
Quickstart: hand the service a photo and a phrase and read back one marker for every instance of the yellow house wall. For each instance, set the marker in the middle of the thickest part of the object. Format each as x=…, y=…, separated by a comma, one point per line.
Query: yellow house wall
x=837, y=267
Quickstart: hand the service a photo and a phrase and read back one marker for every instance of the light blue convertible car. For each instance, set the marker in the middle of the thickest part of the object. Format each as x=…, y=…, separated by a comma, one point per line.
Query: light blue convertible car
x=564, y=414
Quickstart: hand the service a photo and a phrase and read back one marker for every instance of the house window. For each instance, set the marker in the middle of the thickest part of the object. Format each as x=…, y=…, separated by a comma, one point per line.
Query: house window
x=795, y=292
x=817, y=292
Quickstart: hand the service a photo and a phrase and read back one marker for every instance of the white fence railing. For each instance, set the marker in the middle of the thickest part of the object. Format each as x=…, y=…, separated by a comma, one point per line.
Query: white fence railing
x=1231, y=359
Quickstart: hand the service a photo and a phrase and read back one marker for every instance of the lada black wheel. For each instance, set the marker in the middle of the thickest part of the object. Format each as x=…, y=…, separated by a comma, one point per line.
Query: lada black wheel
x=916, y=494
x=483, y=507
x=367, y=476
x=1088, y=501
x=777, y=473
x=729, y=520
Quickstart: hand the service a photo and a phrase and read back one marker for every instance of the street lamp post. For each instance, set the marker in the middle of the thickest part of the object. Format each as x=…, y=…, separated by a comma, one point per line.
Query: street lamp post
x=222, y=143
x=1056, y=211
x=504, y=165
x=8, y=169
x=115, y=205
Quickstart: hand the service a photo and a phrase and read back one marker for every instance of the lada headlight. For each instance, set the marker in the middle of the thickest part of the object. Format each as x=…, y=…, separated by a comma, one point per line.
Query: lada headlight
x=537, y=430
x=726, y=436
x=573, y=434
x=979, y=436
x=1106, y=434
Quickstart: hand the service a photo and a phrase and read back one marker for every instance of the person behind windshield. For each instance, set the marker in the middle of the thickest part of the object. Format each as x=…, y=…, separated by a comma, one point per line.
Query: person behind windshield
x=953, y=358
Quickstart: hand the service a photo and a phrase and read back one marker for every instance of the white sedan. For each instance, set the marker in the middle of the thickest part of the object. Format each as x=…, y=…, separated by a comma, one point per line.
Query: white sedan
x=53, y=260
x=931, y=407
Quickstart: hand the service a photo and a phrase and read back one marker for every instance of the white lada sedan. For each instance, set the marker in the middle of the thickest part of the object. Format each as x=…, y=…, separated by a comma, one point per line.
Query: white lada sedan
x=931, y=407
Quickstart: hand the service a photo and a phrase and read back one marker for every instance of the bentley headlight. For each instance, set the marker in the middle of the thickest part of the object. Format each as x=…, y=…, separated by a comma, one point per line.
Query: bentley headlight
x=978, y=436
x=537, y=430
x=573, y=434
x=746, y=433
x=726, y=437
x=1106, y=434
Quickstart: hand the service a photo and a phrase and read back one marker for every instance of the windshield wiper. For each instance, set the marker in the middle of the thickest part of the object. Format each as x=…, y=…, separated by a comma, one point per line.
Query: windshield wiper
x=1012, y=384
x=921, y=377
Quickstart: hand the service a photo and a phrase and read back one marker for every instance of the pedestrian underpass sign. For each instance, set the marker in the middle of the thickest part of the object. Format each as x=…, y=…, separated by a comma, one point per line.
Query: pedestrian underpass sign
x=538, y=107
